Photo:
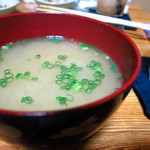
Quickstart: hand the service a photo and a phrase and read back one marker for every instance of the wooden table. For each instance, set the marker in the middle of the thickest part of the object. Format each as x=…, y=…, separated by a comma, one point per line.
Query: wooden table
x=128, y=128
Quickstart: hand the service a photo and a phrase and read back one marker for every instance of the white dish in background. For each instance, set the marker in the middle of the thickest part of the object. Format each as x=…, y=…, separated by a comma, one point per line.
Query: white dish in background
x=7, y=6
x=60, y=3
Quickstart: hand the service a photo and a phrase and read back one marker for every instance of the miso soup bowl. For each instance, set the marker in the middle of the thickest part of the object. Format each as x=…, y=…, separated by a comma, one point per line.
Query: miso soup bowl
x=72, y=125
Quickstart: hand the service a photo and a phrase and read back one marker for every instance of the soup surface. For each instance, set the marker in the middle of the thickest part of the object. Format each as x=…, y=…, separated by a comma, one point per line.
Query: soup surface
x=54, y=73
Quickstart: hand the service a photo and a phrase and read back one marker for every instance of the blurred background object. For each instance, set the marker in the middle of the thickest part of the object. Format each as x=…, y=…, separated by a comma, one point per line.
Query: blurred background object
x=59, y=3
x=7, y=6
x=86, y=4
x=28, y=1
x=111, y=7
x=114, y=8
x=26, y=6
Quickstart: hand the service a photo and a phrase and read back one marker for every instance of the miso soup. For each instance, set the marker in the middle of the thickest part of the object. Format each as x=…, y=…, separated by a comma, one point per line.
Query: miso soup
x=54, y=73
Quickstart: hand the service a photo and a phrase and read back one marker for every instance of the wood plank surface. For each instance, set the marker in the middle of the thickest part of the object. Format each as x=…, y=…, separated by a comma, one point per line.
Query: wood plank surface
x=128, y=128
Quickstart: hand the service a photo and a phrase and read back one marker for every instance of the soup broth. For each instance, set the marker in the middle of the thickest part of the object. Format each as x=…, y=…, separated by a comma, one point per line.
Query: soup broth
x=54, y=73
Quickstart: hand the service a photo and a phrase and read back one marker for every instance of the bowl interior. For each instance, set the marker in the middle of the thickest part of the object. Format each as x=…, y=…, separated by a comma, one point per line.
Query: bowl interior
x=112, y=41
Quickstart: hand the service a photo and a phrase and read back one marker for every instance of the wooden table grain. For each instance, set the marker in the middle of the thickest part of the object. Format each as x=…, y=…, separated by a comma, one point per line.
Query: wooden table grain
x=128, y=128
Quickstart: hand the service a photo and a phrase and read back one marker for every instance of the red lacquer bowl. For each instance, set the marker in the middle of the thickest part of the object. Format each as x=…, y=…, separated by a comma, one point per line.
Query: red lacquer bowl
x=51, y=127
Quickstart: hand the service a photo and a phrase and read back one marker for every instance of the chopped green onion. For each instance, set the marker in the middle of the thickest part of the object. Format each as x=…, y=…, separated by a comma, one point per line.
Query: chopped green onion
x=27, y=100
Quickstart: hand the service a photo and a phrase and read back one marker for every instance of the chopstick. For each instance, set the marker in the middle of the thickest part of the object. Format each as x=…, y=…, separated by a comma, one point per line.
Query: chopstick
x=106, y=19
